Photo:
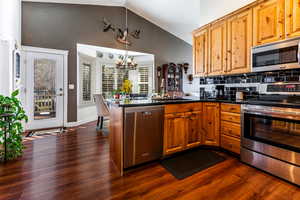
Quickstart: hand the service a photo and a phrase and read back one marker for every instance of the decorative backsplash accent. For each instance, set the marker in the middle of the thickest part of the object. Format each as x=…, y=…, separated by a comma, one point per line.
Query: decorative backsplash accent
x=258, y=77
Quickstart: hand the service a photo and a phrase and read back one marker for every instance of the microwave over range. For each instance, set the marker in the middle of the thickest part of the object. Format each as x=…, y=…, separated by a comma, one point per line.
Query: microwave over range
x=276, y=56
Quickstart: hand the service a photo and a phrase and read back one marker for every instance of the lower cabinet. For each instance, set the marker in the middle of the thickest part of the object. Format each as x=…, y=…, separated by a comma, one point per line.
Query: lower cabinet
x=231, y=127
x=196, y=126
x=193, y=129
x=174, y=133
x=230, y=143
x=182, y=127
x=211, y=124
x=208, y=123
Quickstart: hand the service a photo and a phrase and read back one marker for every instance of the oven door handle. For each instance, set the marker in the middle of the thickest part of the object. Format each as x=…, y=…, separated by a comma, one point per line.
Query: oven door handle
x=282, y=115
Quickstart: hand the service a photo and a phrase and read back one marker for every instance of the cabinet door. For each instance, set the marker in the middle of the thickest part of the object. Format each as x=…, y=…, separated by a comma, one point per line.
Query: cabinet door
x=211, y=124
x=292, y=10
x=200, y=55
x=193, y=129
x=239, y=42
x=174, y=133
x=268, y=22
x=217, y=47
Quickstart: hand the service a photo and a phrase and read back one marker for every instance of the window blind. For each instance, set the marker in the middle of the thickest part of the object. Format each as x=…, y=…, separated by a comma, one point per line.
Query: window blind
x=86, y=82
x=143, y=80
x=108, y=80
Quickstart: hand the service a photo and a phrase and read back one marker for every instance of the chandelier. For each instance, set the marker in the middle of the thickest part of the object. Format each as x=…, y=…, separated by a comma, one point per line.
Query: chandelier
x=126, y=62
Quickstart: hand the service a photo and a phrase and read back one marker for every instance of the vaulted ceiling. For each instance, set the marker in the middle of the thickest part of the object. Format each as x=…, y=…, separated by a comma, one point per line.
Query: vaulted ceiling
x=179, y=17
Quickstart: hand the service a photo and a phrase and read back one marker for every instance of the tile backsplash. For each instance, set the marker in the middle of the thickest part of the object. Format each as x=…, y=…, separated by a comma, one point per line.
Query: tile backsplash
x=258, y=77
x=248, y=83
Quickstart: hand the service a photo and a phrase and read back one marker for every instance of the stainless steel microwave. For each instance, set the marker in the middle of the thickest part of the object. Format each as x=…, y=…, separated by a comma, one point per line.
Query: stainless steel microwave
x=276, y=56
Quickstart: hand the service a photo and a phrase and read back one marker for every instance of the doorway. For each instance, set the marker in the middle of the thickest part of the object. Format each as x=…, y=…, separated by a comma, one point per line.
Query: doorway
x=45, y=91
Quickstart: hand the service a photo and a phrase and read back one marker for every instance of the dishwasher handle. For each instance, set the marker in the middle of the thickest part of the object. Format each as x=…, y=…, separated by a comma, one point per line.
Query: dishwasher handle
x=147, y=113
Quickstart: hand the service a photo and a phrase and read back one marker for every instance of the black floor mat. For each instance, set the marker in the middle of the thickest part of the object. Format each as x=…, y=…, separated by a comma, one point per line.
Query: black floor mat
x=188, y=163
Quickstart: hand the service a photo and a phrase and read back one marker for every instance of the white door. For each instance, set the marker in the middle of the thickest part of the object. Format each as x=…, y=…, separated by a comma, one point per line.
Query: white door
x=44, y=90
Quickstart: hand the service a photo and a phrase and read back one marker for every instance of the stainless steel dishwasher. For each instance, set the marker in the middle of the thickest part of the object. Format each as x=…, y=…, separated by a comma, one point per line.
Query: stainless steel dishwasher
x=143, y=134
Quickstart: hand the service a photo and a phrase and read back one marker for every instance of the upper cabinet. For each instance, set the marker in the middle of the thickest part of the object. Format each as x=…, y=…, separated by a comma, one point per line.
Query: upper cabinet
x=239, y=42
x=292, y=16
x=217, y=48
x=224, y=46
x=200, y=52
x=268, y=22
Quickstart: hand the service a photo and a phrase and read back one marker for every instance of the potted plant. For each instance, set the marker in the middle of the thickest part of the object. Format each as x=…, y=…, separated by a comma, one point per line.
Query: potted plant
x=12, y=115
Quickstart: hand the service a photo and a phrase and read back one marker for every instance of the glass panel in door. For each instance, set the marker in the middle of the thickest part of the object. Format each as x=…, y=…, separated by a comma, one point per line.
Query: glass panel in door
x=275, y=131
x=44, y=89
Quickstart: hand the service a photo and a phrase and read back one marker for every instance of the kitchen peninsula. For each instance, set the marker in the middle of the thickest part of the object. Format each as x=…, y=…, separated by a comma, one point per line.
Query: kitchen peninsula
x=146, y=130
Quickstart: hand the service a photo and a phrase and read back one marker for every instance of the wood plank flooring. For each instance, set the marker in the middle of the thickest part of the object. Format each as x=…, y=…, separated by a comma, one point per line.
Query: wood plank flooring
x=77, y=166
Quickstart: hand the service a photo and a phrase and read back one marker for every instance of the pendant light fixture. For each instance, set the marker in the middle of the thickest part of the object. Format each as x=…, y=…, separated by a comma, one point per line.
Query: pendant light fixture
x=125, y=62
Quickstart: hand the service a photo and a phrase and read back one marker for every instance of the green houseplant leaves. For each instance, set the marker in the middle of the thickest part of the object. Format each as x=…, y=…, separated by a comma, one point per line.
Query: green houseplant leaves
x=13, y=125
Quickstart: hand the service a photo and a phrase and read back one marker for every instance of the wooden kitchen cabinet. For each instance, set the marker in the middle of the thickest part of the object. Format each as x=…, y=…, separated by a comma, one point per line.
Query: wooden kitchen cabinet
x=292, y=16
x=174, y=133
x=182, y=127
x=268, y=22
x=211, y=124
x=200, y=52
x=224, y=46
x=239, y=42
x=230, y=127
x=217, y=48
x=193, y=129
x=230, y=143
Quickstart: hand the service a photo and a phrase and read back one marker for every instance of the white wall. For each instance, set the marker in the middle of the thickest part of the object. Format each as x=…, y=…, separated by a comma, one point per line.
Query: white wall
x=10, y=34
x=10, y=19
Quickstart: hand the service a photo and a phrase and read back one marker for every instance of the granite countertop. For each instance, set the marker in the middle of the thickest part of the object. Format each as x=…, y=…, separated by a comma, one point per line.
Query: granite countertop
x=150, y=102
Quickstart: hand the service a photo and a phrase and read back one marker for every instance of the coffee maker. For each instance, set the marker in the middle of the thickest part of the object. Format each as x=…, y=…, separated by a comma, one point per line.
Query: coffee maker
x=220, y=89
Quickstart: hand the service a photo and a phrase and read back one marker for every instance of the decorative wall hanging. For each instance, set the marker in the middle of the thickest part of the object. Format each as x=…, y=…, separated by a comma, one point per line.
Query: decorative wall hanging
x=121, y=35
x=111, y=56
x=190, y=78
x=99, y=54
x=184, y=66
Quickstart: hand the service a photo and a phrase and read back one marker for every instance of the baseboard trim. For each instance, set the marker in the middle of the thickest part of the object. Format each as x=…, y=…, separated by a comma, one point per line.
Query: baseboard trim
x=73, y=124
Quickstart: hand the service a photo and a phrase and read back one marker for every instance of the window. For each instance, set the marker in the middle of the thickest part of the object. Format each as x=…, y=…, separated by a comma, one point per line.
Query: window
x=121, y=76
x=112, y=79
x=108, y=80
x=143, y=80
x=86, y=82
x=87, y=79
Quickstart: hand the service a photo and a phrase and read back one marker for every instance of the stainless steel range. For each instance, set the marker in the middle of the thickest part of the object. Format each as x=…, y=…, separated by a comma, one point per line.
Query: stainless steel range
x=271, y=134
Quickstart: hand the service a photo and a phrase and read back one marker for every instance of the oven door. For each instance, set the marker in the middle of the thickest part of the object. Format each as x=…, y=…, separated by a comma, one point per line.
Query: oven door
x=273, y=133
x=279, y=56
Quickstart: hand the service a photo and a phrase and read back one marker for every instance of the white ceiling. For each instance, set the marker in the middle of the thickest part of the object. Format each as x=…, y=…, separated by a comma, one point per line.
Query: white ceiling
x=179, y=17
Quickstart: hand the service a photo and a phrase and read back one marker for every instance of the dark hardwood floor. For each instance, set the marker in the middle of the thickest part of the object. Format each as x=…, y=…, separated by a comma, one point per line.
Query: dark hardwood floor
x=77, y=166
